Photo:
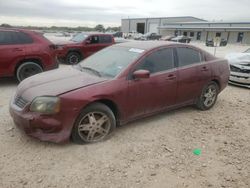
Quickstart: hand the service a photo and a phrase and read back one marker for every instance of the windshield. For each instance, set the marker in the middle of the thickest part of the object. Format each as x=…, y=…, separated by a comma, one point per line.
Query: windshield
x=79, y=37
x=111, y=61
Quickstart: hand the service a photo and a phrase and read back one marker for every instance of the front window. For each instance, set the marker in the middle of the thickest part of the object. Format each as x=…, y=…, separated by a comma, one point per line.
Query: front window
x=158, y=61
x=79, y=37
x=110, y=61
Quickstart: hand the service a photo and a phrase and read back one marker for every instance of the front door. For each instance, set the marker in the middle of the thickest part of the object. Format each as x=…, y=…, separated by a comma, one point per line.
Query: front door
x=91, y=46
x=159, y=90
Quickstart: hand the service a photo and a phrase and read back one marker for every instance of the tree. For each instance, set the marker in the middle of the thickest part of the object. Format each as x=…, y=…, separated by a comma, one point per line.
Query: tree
x=99, y=28
x=5, y=25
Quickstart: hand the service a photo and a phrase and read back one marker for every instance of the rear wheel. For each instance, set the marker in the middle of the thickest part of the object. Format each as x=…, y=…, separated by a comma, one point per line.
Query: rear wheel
x=94, y=124
x=73, y=58
x=208, y=96
x=28, y=69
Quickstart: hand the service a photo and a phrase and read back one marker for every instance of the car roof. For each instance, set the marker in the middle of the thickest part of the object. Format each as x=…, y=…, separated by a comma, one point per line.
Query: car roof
x=95, y=33
x=9, y=29
x=13, y=29
x=148, y=45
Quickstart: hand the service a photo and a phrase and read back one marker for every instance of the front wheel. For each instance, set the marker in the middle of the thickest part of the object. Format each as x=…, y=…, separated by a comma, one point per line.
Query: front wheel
x=208, y=96
x=94, y=124
x=73, y=58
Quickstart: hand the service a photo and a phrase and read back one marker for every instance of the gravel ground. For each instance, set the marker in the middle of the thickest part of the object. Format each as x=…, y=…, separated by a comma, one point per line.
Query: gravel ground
x=153, y=152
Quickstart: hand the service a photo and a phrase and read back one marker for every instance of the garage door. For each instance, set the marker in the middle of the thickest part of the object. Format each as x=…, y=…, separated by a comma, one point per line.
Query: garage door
x=153, y=27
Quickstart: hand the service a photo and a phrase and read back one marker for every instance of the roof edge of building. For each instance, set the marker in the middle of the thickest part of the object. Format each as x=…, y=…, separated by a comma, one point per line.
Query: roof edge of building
x=202, y=20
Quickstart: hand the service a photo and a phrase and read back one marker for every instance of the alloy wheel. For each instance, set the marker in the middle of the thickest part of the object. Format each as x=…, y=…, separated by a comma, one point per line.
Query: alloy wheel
x=209, y=96
x=73, y=59
x=94, y=126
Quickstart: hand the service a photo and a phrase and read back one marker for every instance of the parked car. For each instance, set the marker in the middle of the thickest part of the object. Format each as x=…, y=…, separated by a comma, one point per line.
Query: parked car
x=83, y=45
x=118, y=34
x=210, y=42
x=132, y=35
x=115, y=34
x=118, y=84
x=167, y=38
x=149, y=36
x=181, y=39
x=121, y=40
x=24, y=53
x=240, y=68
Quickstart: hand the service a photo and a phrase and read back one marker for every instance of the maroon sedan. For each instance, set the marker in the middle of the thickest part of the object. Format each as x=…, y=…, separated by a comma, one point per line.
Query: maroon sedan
x=117, y=85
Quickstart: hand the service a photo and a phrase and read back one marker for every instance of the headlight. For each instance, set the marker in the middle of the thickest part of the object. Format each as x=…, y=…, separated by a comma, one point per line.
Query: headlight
x=45, y=105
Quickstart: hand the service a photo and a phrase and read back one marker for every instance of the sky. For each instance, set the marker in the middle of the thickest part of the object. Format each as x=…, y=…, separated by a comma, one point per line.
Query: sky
x=75, y=13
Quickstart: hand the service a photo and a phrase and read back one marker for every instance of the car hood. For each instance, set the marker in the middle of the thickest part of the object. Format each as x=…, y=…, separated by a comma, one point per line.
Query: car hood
x=56, y=82
x=67, y=42
x=242, y=59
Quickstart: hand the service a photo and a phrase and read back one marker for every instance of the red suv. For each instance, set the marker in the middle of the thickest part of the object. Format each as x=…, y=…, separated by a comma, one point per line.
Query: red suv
x=83, y=45
x=24, y=53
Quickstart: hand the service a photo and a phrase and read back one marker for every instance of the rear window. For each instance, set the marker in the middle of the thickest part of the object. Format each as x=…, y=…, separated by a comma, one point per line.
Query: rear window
x=5, y=37
x=12, y=37
x=105, y=39
x=188, y=56
x=21, y=38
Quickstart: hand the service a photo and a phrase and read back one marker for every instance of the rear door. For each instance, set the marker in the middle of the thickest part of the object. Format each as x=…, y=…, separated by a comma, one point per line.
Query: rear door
x=105, y=40
x=189, y=65
x=157, y=92
x=11, y=51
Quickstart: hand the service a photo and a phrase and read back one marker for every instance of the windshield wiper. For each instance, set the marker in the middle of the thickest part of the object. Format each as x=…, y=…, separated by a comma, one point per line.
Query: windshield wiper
x=92, y=70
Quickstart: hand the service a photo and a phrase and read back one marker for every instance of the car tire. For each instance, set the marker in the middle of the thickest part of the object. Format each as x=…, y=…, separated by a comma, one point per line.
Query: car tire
x=208, y=96
x=27, y=69
x=73, y=58
x=94, y=124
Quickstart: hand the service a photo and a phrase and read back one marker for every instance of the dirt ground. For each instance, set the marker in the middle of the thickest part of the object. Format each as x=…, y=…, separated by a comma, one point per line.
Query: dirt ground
x=153, y=152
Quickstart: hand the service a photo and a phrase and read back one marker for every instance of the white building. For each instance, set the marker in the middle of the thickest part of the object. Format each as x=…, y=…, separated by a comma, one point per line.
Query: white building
x=197, y=29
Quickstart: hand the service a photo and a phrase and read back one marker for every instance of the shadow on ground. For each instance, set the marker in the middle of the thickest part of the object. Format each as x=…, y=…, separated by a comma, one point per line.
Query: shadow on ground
x=8, y=82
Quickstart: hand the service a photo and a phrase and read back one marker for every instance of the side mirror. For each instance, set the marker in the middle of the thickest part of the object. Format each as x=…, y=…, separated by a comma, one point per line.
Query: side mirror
x=141, y=74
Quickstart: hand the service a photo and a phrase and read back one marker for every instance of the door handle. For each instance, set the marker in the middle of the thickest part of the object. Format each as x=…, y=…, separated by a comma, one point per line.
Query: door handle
x=17, y=49
x=171, y=77
x=204, y=69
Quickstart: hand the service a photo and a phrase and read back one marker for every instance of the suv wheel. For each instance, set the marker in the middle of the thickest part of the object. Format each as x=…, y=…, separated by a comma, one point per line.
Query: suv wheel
x=94, y=124
x=28, y=69
x=208, y=96
x=73, y=58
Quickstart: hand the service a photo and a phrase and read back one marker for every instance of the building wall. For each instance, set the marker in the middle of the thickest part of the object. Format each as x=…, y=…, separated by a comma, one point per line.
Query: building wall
x=125, y=26
x=246, y=39
x=180, y=19
x=166, y=33
x=203, y=35
x=233, y=37
x=129, y=25
x=212, y=34
x=153, y=23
